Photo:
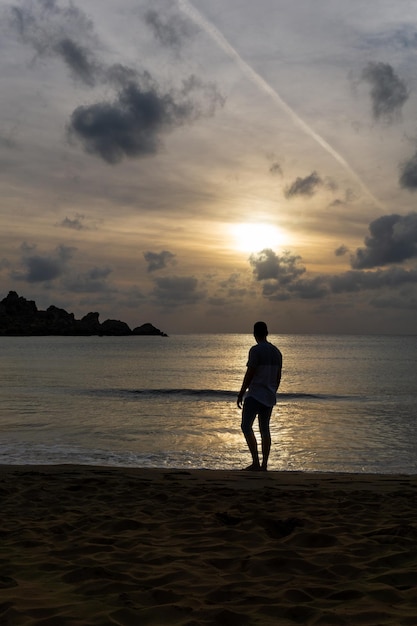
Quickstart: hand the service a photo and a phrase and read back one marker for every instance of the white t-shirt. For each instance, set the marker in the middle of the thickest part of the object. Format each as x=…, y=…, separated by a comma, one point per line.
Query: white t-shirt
x=266, y=360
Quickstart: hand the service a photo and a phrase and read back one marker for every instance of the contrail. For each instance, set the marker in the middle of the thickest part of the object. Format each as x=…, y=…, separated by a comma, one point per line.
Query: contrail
x=222, y=42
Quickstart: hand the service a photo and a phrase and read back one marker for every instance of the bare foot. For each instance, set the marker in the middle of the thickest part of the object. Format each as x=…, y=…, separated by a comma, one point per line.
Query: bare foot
x=252, y=468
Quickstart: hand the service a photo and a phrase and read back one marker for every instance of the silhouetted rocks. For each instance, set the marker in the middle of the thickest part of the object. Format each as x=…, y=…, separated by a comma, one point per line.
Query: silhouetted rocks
x=115, y=327
x=19, y=316
x=148, y=329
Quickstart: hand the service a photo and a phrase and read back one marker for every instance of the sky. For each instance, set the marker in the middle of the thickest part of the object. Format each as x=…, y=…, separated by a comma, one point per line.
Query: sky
x=203, y=165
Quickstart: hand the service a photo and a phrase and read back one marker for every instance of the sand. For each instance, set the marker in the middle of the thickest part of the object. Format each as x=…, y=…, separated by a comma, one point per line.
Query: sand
x=85, y=545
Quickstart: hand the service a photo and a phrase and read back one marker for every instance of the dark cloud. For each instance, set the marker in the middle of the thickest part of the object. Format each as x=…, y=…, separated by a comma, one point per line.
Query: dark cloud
x=354, y=281
x=174, y=291
x=309, y=288
x=52, y=30
x=79, y=60
x=408, y=174
x=341, y=250
x=98, y=273
x=74, y=224
x=170, y=31
x=304, y=186
x=43, y=268
x=235, y=287
x=92, y=281
x=393, y=239
x=282, y=278
x=218, y=302
x=133, y=298
x=330, y=184
x=267, y=265
x=132, y=125
x=404, y=37
x=349, y=196
x=404, y=301
x=158, y=260
x=388, y=91
x=280, y=275
x=206, y=97
x=275, y=169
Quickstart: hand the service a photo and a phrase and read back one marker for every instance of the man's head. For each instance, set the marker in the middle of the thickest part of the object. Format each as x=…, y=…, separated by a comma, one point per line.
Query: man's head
x=260, y=330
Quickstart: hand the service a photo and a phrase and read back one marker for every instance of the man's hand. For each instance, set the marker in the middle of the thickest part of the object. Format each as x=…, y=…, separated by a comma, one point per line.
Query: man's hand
x=250, y=373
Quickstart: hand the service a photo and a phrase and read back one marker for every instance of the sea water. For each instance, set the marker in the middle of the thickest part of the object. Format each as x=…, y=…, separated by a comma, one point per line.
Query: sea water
x=346, y=403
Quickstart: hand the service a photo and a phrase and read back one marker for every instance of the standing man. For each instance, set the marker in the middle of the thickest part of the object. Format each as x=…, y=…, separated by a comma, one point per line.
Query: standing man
x=262, y=379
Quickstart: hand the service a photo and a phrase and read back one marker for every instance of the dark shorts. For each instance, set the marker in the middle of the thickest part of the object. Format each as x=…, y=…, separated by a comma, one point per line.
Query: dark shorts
x=253, y=408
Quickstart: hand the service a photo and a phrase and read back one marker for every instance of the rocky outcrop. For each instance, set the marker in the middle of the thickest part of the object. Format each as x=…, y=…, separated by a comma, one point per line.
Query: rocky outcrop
x=19, y=316
x=148, y=329
x=115, y=327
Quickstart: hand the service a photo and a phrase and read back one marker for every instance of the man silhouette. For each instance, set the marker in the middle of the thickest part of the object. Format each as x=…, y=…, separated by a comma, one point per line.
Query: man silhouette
x=261, y=380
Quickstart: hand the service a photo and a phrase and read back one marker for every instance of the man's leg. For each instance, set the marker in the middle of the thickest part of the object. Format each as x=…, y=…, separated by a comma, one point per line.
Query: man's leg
x=264, y=417
x=249, y=412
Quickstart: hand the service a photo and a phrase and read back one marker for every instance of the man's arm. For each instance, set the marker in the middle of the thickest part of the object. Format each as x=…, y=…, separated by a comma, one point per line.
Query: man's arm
x=250, y=373
x=279, y=377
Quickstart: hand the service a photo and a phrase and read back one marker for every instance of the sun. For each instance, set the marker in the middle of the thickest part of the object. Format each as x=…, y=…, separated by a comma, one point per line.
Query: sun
x=253, y=237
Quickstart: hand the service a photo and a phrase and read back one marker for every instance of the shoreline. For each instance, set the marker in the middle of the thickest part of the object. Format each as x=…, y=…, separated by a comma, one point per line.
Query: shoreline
x=97, y=545
x=285, y=476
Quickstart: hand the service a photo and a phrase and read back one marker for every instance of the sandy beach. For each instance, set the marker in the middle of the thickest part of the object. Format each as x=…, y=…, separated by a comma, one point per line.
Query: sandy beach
x=87, y=545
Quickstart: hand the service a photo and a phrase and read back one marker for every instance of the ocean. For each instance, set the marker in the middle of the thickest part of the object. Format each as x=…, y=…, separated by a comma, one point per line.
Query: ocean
x=345, y=404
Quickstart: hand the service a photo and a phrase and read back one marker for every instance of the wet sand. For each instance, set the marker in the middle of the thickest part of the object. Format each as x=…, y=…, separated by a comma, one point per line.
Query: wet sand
x=88, y=545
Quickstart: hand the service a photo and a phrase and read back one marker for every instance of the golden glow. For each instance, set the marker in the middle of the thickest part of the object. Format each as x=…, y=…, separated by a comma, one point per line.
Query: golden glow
x=256, y=237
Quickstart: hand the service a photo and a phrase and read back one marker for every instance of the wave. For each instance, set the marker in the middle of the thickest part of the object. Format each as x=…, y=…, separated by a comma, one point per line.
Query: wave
x=204, y=394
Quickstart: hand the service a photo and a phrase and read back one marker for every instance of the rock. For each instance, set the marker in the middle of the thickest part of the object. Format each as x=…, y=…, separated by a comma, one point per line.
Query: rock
x=114, y=327
x=15, y=305
x=89, y=324
x=148, y=329
x=21, y=317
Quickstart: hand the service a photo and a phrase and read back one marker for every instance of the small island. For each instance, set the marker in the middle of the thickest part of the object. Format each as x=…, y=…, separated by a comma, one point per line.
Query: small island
x=21, y=317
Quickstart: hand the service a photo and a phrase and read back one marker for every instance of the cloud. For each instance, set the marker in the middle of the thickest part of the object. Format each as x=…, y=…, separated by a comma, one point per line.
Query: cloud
x=78, y=60
x=92, y=281
x=4, y=264
x=353, y=281
x=42, y=268
x=408, y=174
x=309, y=288
x=404, y=301
x=172, y=291
x=404, y=38
x=282, y=278
x=393, y=239
x=54, y=31
x=304, y=186
x=280, y=274
x=74, y=224
x=132, y=125
x=132, y=298
x=158, y=260
x=170, y=31
x=388, y=91
x=275, y=169
x=268, y=265
x=341, y=250
x=349, y=196
x=235, y=286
